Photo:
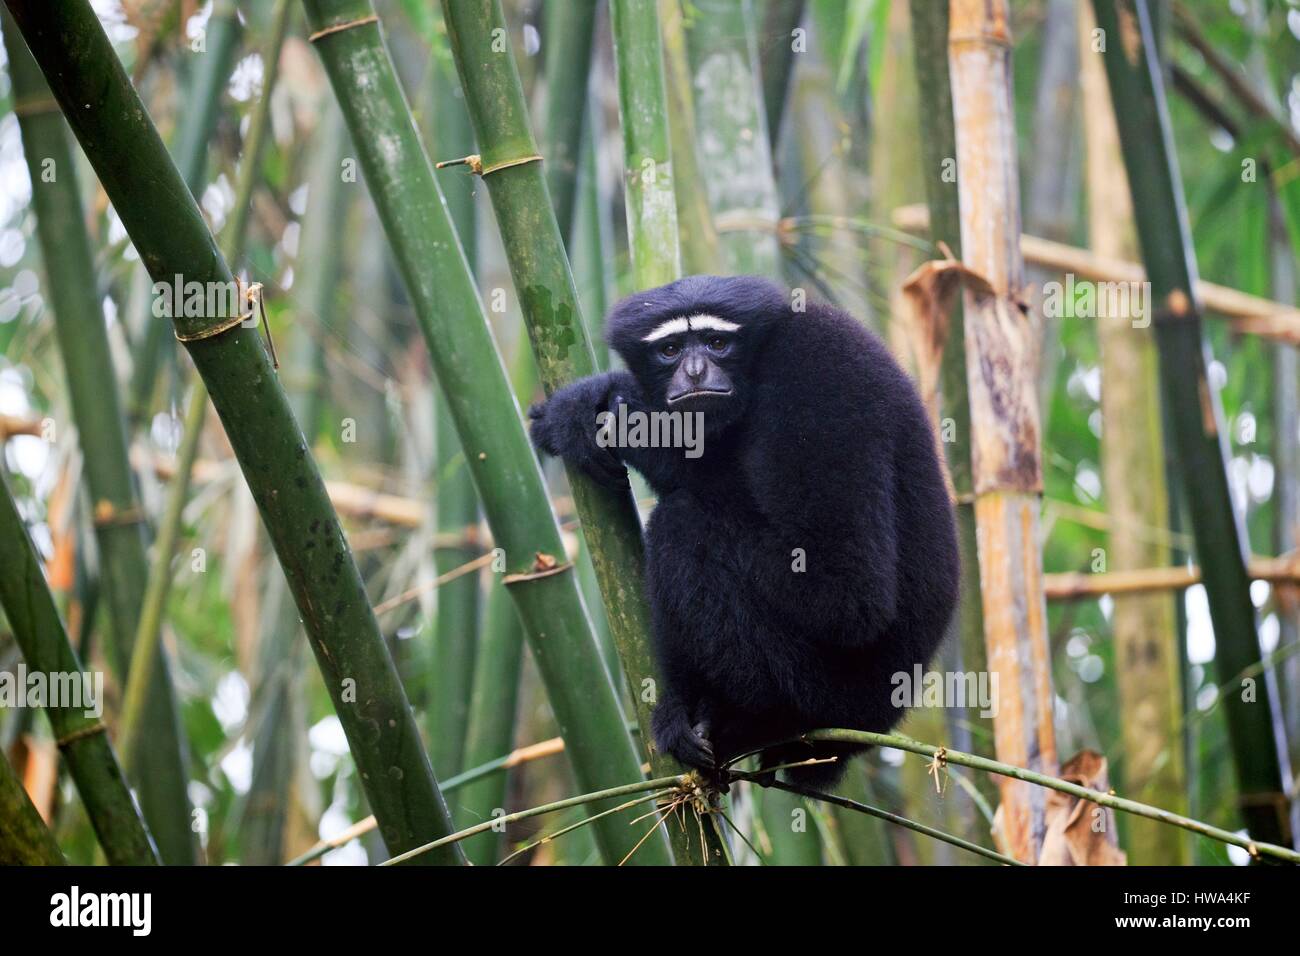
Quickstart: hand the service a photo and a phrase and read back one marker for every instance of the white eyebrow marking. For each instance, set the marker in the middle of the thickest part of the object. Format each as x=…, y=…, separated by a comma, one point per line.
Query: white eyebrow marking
x=665, y=329
x=690, y=323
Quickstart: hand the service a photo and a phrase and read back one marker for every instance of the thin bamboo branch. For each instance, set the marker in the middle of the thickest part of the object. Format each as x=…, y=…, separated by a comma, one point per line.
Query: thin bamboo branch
x=585, y=800
x=1075, y=585
x=351, y=500
x=1255, y=848
x=485, y=771
x=880, y=814
x=1234, y=79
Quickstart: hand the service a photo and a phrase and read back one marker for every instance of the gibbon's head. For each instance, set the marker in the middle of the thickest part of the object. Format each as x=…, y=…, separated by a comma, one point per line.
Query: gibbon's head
x=690, y=343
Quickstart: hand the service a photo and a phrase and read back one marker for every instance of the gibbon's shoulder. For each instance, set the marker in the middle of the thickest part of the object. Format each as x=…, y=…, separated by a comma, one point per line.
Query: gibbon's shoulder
x=826, y=358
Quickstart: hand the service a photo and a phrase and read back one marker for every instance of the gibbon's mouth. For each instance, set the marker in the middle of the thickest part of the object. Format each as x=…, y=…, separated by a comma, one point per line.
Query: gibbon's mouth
x=700, y=393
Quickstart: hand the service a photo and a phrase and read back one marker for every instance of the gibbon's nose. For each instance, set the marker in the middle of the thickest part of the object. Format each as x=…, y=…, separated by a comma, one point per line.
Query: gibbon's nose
x=695, y=365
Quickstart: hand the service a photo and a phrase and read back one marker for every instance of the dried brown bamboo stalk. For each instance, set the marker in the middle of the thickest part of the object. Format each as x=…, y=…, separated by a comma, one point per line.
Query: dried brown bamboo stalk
x=1002, y=345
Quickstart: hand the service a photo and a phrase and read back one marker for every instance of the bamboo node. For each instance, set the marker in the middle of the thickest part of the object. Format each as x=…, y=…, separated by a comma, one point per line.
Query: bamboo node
x=475, y=163
x=88, y=731
x=36, y=107
x=981, y=38
x=256, y=304
x=1178, y=303
x=939, y=763
x=544, y=566
x=107, y=515
x=340, y=27
x=508, y=163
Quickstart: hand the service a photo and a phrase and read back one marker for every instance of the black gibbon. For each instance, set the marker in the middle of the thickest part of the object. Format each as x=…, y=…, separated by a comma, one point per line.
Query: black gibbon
x=806, y=553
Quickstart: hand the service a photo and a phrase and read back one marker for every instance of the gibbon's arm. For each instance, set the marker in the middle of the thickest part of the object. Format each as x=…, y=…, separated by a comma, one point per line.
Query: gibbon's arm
x=564, y=426
x=567, y=425
x=661, y=467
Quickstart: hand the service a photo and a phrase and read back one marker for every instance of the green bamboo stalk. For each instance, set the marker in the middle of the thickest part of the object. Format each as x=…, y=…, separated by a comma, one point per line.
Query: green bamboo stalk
x=474, y=384
x=567, y=33
x=895, y=176
x=732, y=139
x=865, y=839
x=319, y=265
x=593, y=233
x=791, y=831
x=167, y=228
x=83, y=342
x=456, y=627
x=493, y=709
x=1196, y=416
x=648, y=174
x=610, y=525
x=190, y=152
x=929, y=21
x=25, y=840
x=149, y=629
x=1147, y=647
x=929, y=26
x=780, y=19
x=550, y=305
x=29, y=608
x=695, y=231
x=736, y=166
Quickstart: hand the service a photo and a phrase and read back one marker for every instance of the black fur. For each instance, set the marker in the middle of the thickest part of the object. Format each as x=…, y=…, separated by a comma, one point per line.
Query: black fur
x=823, y=446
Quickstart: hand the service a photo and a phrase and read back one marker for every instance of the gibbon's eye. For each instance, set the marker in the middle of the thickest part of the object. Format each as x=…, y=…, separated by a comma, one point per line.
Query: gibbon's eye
x=670, y=350
x=718, y=344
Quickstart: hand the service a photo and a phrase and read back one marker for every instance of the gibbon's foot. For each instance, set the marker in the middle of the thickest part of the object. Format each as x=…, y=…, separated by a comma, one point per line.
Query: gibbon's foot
x=701, y=732
x=674, y=734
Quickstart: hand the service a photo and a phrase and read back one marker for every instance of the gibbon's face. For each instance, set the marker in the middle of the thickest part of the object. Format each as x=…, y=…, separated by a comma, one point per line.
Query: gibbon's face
x=695, y=363
x=692, y=353
x=690, y=344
